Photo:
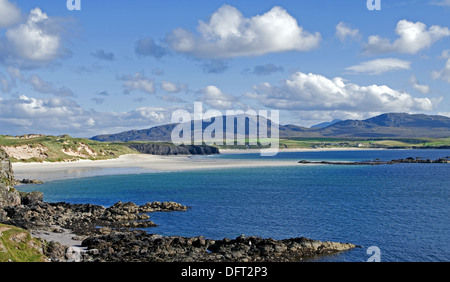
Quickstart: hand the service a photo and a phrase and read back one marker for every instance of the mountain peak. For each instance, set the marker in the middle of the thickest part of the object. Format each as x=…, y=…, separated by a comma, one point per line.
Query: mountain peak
x=400, y=125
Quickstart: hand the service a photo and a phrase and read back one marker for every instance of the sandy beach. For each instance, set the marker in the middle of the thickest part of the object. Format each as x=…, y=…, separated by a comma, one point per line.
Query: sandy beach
x=132, y=164
x=141, y=163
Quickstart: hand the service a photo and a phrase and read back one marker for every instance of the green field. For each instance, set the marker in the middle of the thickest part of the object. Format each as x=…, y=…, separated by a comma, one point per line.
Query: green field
x=316, y=143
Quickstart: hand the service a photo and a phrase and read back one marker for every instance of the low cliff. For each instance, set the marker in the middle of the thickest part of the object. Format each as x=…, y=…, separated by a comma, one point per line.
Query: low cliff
x=170, y=149
x=8, y=195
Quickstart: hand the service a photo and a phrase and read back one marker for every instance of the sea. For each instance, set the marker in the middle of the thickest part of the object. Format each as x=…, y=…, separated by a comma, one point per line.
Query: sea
x=394, y=213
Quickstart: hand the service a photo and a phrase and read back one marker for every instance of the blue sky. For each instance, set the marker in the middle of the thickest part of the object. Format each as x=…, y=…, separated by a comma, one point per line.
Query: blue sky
x=119, y=65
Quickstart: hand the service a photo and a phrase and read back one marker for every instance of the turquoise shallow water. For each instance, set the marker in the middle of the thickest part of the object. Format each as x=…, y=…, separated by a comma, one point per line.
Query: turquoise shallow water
x=402, y=209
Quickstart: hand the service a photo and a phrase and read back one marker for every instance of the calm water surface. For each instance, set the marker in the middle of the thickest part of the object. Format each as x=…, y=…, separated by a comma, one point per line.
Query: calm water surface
x=403, y=209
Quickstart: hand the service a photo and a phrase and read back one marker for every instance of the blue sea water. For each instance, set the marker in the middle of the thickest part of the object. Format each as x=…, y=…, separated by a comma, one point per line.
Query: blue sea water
x=402, y=209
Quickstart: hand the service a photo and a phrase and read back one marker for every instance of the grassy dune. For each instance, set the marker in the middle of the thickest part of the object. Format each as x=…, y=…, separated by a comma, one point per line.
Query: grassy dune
x=60, y=148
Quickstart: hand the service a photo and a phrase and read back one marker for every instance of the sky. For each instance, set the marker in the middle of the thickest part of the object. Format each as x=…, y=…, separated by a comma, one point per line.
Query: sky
x=118, y=65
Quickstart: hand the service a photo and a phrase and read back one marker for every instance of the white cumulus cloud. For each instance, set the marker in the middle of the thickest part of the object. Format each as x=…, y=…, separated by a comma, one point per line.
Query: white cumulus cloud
x=413, y=37
x=313, y=92
x=344, y=31
x=214, y=97
x=35, y=39
x=229, y=34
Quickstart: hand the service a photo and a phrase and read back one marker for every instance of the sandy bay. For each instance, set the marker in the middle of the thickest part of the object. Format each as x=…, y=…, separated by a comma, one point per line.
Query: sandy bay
x=142, y=163
x=132, y=164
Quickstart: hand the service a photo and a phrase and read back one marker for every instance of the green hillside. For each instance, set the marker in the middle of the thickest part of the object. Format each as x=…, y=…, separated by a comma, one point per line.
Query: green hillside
x=375, y=143
x=369, y=143
x=38, y=148
x=17, y=245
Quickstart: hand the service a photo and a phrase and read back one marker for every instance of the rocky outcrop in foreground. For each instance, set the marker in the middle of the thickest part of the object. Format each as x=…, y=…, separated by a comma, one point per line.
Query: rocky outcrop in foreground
x=140, y=246
x=111, y=235
x=83, y=219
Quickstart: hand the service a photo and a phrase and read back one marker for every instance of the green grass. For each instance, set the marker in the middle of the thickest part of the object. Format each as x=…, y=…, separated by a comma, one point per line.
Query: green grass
x=364, y=143
x=56, y=145
x=17, y=245
x=310, y=143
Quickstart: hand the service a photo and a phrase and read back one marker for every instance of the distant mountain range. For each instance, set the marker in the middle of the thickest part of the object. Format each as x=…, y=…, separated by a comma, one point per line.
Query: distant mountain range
x=325, y=124
x=390, y=125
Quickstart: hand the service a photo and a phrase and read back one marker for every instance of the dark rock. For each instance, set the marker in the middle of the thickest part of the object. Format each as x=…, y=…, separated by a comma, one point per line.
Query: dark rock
x=29, y=181
x=83, y=219
x=162, y=207
x=170, y=149
x=140, y=246
x=409, y=160
x=55, y=251
x=32, y=198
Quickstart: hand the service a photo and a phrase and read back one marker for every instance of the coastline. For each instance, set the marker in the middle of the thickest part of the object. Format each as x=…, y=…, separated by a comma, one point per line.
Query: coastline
x=132, y=164
x=143, y=163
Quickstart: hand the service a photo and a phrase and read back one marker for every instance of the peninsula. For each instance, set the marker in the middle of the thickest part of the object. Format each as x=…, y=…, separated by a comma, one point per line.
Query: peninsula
x=409, y=160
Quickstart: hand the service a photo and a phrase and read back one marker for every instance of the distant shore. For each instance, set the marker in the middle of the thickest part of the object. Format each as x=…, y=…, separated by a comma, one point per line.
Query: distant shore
x=257, y=151
x=142, y=163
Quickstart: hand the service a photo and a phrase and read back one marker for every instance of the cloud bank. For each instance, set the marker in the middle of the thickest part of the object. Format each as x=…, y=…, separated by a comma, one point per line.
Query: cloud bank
x=313, y=92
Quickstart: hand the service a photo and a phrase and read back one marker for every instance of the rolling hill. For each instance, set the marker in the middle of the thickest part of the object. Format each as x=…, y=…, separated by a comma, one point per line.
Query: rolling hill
x=390, y=125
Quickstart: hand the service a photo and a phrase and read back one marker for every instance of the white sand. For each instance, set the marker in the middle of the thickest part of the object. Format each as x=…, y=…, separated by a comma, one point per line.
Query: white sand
x=140, y=163
x=132, y=164
x=65, y=238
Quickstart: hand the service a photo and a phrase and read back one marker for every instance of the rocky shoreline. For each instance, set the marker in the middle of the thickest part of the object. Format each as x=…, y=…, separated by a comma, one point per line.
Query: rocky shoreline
x=82, y=219
x=140, y=246
x=408, y=160
x=113, y=234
